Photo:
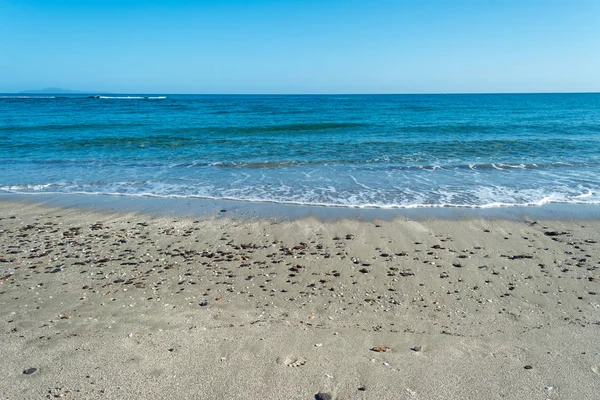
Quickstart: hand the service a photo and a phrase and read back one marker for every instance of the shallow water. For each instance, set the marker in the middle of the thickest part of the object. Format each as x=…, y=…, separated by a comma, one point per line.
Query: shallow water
x=353, y=151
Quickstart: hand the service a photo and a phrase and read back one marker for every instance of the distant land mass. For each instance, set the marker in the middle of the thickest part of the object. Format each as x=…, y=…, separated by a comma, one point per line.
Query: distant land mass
x=55, y=90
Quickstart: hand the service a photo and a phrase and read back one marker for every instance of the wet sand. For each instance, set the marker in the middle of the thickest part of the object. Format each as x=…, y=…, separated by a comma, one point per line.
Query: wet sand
x=114, y=305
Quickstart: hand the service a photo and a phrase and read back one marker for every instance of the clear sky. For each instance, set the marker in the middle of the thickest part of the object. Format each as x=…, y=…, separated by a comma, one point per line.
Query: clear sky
x=300, y=46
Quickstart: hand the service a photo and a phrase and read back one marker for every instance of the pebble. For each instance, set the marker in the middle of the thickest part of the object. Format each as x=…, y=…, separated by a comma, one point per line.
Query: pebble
x=323, y=396
x=416, y=348
x=29, y=371
x=380, y=349
x=528, y=367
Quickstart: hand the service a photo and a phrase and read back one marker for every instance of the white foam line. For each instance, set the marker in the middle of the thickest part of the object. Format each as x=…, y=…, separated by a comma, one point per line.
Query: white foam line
x=359, y=184
x=120, y=97
x=131, y=97
x=333, y=205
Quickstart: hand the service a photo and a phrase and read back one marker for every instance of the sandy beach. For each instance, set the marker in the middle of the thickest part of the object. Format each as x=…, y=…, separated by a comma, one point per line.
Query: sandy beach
x=99, y=305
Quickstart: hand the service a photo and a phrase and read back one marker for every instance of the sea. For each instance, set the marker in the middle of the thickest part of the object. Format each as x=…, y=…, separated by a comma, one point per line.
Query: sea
x=357, y=151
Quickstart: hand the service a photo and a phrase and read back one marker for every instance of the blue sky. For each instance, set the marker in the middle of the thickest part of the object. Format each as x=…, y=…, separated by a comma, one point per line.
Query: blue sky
x=301, y=46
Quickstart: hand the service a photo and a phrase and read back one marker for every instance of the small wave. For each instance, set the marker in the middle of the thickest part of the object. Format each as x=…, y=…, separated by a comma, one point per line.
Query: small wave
x=38, y=187
x=129, y=97
x=584, y=195
x=382, y=166
x=263, y=129
x=117, y=97
x=64, y=127
x=135, y=142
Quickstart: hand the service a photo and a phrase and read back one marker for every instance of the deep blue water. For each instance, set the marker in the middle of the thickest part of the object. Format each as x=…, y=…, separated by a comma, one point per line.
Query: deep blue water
x=359, y=150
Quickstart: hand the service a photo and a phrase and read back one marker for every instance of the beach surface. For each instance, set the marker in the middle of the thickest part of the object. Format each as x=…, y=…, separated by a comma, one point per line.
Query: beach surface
x=114, y=305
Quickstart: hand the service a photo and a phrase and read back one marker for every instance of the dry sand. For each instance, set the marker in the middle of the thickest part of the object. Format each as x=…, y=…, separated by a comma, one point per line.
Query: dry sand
x=126, y=306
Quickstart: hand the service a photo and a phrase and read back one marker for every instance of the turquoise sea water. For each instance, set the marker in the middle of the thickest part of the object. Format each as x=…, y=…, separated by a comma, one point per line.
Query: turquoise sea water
x=354, y=151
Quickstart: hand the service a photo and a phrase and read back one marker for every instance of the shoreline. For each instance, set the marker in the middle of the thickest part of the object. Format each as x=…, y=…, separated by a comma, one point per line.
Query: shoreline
x=123, y=305
x=199, y=207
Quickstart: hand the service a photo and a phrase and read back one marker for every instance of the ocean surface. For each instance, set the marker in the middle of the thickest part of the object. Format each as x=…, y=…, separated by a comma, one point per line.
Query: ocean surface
x=388, y=151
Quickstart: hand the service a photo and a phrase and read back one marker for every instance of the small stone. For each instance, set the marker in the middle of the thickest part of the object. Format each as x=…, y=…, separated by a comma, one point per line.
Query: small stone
x=380, y=349
x=223, y=211
x=362, y=388
x=204, y=303
x=416, y=348
x=363, y=270
x=528, y=367
x=29, y=371
x=323, y=396
x=319, y=345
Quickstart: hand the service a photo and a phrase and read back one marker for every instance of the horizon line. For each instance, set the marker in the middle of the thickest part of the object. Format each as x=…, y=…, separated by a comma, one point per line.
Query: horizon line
x=77, y=92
